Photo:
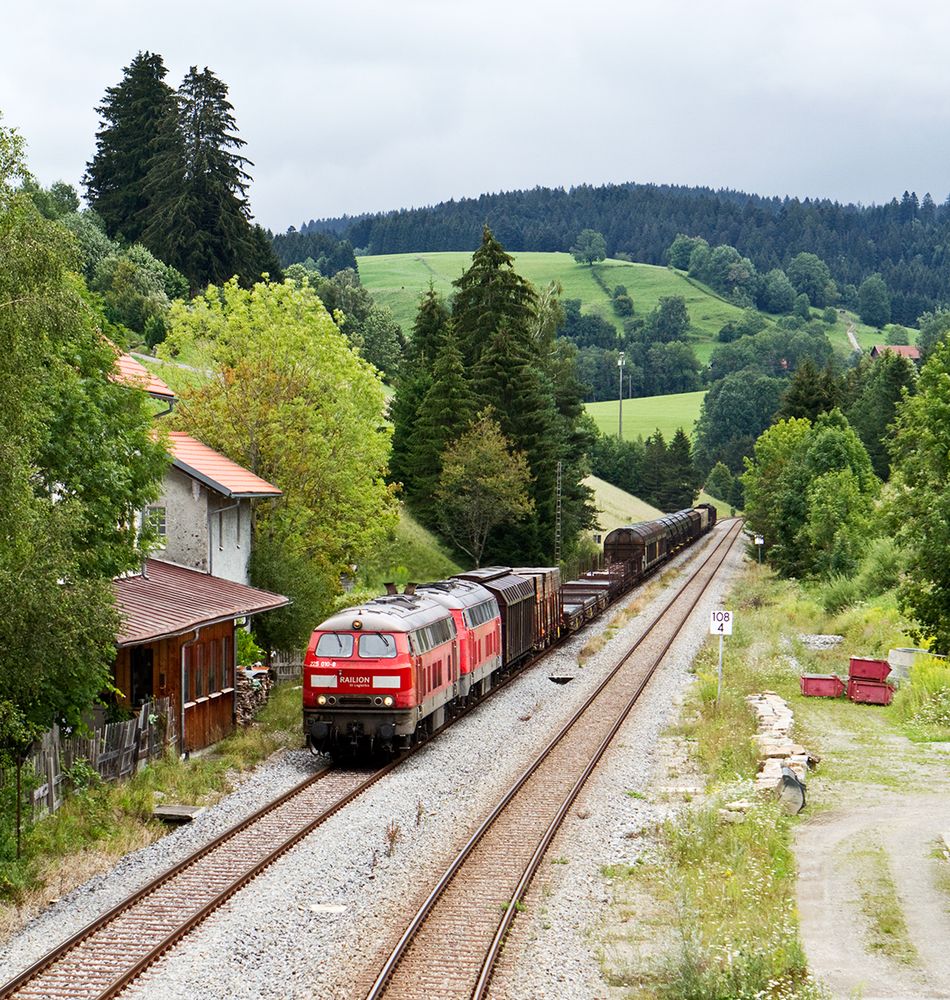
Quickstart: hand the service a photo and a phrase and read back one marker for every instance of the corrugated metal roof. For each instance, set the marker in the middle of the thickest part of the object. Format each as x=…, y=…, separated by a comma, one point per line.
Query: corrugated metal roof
x=130, y=372
x=169, y=600
x=213, y=469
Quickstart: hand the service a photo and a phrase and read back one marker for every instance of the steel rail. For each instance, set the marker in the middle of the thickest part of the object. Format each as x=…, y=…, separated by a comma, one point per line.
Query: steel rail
x=488, y=966
x=398, y=953
x=46, y=962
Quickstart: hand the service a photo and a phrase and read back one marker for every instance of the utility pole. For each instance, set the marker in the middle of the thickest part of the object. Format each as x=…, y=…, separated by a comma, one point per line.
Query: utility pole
x=557, y=517
x=620, y=421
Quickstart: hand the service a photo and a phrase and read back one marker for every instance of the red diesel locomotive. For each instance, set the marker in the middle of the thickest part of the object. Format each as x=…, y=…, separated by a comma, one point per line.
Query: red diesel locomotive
x=381, y=675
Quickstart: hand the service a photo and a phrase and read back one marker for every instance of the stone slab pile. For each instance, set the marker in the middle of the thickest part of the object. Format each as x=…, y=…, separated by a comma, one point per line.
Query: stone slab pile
x=776, y=748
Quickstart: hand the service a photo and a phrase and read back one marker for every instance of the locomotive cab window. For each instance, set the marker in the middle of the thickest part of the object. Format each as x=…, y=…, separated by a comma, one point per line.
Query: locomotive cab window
x=335, y=644
x=377, y=646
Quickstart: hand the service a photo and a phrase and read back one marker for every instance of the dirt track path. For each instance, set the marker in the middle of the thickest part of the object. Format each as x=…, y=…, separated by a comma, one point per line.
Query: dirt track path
x=882, y=791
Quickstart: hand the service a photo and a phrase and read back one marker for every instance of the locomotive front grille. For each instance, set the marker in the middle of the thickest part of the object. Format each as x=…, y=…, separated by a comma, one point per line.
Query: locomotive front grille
x=352, y=699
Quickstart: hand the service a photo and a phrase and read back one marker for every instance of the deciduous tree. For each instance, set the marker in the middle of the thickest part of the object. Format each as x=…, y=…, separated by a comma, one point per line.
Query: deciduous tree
x=79, y=463
x=483, y=485
x=920, y=456
x=589, y=247
x=295, y=403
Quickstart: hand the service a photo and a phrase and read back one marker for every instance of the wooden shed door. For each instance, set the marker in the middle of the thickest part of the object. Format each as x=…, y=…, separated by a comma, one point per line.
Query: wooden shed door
x=140, y=662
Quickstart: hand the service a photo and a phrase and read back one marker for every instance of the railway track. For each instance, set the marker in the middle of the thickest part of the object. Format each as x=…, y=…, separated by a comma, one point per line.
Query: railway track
x=451, y=945
x=105, y=956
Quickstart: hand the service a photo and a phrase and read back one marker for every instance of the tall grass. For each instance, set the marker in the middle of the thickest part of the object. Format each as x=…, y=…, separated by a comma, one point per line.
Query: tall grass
x=111, y=819
x=924, y=702
x=732, y=888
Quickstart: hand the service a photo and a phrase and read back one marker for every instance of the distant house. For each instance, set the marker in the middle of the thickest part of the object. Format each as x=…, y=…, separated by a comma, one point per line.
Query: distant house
x=180, y=613
x=904, y=350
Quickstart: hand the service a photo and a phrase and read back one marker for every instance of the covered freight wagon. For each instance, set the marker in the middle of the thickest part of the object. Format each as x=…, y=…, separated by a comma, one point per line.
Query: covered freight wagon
x=516, y=602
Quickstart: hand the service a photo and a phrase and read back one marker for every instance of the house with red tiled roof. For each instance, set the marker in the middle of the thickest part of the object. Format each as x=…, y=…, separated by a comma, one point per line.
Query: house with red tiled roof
x=904, y=350
x=180, y=613
x=203, y=516
x=128, y=371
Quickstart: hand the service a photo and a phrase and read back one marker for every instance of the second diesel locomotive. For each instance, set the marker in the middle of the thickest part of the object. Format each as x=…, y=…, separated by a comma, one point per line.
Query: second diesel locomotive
x=380, y=675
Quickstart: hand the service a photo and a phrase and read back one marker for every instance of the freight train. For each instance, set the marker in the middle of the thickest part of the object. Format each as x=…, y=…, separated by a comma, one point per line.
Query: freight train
x=380, y=676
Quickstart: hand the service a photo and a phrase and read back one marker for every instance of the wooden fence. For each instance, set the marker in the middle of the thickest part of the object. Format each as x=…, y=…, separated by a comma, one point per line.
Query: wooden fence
x=286, y=666
x=115, y=750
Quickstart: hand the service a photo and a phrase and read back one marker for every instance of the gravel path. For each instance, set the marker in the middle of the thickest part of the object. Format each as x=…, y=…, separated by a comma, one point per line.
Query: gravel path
x=905, y=813
x=321, y=915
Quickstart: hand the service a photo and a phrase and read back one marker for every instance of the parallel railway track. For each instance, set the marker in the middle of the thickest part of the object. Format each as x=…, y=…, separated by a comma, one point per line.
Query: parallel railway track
x=105, y=956
x=451, y=945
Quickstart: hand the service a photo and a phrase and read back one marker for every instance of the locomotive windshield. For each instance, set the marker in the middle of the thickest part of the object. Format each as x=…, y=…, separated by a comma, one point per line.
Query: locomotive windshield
x=377, y=646
x=335, y=644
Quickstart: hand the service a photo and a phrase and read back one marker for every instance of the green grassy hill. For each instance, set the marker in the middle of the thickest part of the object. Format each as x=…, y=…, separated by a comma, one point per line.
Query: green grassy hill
x=641, y=417
x=412, y=555
x=615, y=507
x=398, y=281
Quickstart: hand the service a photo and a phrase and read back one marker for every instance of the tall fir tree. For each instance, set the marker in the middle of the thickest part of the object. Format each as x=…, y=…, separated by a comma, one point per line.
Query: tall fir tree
x=683, y=482
x=655, y=472
x=490, y=293
x=198, y=214
x=445, y=412
x=430, y=327
x=132, y=116
x=891, y=379
x=507, y=379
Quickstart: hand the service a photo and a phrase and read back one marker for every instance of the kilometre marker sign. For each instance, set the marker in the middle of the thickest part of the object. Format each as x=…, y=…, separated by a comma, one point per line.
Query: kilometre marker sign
x=720, y=623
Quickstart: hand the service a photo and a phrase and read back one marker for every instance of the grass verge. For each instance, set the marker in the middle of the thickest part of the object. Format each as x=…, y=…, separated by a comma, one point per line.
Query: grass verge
x=99, y=822
x=887, y=928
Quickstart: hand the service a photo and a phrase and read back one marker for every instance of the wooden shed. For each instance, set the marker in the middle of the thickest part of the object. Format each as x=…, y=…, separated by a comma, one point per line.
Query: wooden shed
x=178, y=641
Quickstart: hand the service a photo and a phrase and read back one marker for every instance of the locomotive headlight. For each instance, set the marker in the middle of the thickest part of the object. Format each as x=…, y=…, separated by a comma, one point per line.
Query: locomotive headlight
x=388, y=702
x=321, y=699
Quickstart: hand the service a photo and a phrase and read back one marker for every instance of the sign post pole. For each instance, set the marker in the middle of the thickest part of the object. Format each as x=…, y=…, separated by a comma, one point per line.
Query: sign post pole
x=719, y=674
x=720, y=623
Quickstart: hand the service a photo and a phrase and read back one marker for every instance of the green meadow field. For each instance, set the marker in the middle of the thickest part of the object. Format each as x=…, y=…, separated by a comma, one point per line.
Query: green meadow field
x=641, y=417
x=399, y=280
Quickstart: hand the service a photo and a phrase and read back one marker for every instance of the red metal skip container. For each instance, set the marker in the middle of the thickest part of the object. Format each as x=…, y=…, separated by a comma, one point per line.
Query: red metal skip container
x=869, y=692
x=869, y=670
x=822, y=685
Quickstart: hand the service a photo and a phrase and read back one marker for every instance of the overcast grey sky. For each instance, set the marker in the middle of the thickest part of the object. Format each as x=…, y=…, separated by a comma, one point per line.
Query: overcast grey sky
x=362, y=106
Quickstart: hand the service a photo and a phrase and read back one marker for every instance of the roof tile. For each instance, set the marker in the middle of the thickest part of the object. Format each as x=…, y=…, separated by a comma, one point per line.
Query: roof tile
x=214, y=470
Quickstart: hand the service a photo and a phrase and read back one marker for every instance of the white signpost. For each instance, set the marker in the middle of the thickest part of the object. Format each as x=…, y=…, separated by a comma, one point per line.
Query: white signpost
x=720, y=623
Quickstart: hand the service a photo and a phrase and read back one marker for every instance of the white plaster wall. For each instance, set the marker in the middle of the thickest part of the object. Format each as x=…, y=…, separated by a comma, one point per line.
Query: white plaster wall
x=230, y=541
x=186, y=520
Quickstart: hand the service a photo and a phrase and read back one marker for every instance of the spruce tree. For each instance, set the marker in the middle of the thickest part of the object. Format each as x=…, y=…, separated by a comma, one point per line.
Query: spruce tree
x=445, y=412
x=683, y=483
x=132, y=114
x=490, y=293
x=653, y=488
x=810, y=392
x=199, y=218
x=507, y=379
x=412, y=383
x=875, y=409
x=430, y=325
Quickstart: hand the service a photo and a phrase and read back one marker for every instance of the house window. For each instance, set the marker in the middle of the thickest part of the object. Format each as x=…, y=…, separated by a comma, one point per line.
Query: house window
x=156, y=517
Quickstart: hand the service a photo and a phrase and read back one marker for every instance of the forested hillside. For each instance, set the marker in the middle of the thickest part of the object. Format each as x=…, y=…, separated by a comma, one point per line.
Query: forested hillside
x=905, y=240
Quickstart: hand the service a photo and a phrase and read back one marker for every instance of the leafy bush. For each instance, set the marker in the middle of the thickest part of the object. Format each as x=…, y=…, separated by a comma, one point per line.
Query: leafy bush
x=840, y=592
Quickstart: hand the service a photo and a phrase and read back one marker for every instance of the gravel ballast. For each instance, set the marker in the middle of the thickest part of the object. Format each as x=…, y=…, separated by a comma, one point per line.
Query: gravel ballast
x=313, y=924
